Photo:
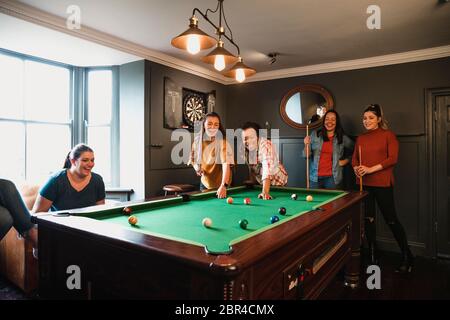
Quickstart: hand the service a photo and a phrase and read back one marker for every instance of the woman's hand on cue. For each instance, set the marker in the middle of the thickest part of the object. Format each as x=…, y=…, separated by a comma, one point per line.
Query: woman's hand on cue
x=264, y=196
x=363, y=170
x=221, y=192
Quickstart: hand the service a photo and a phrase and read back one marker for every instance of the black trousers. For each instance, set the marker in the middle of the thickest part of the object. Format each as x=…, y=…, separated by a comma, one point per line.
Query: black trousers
x=384, y=198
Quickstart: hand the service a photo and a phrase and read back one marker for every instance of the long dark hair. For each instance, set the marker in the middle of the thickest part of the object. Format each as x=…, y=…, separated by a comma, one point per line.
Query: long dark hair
x=75, y=154
x=214, y=114
x=339, y=131
x=378, y=111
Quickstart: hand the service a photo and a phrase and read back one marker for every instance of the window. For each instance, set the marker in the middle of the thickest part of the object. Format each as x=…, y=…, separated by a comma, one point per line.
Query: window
x=99, y=121
x=42, y=116
x=35, y=123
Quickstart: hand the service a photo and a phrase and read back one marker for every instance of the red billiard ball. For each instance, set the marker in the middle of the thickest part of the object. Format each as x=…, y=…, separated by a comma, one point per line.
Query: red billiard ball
x=229, y=200
x=132, y=220
x=247, y=201
x=127, y=211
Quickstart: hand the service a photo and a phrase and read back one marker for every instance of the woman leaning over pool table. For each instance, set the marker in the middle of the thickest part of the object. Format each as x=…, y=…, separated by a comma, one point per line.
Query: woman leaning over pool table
x=262, y=160
x=213, y=157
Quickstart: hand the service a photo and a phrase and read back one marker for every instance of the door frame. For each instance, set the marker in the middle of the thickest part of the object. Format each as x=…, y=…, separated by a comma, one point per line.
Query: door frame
x=430, y=130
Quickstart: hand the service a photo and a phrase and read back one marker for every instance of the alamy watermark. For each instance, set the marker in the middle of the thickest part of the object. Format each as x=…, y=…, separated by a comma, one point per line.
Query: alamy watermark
x=191, y=149
x=73, y=21
x=373, y=22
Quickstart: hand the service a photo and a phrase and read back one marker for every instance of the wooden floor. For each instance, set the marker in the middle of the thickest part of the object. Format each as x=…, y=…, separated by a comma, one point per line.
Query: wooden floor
x=430, y=280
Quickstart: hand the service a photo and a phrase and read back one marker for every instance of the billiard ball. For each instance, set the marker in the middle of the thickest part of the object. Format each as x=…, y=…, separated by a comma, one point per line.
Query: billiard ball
x=282, y=211
x=309, y=198
x=207, y=222
x=127, y=211
x=243, y=223
x=274, y=219
x=294, y=196
x=229, y=200
x=132, y=220
x=247, y=201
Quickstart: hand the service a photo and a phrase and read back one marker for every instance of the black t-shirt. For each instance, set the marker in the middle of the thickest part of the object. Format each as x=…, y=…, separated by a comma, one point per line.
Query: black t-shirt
x=59, y=190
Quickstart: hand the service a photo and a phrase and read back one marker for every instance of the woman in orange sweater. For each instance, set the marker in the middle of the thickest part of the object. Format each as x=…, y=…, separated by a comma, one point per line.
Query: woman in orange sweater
x=379, y=153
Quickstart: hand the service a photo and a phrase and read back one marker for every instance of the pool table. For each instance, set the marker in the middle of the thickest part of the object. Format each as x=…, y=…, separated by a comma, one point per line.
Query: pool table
x=170, y=254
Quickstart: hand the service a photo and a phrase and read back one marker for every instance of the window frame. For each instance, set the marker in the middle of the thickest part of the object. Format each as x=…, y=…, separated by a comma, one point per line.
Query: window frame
x=78, y=107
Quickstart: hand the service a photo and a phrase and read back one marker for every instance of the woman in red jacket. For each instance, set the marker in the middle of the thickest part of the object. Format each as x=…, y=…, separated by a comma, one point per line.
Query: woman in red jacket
x=379, y=153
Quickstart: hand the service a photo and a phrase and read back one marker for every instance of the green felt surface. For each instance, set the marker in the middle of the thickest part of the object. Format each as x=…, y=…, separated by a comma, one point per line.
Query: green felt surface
x=182, y=221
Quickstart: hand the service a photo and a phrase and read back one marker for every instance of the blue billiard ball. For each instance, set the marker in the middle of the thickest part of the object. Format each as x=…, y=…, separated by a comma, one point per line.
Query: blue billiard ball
x=282, y=211
x=274, y=219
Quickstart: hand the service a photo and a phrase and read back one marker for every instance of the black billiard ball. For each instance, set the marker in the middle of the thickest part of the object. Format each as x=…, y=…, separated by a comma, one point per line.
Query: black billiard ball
x=294, y=196
x=282, y=211
x=127, y=211
x=274, y=219
x=243, y=223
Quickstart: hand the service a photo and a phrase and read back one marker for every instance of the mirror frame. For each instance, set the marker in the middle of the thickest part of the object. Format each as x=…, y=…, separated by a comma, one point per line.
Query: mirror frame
x=305, y=88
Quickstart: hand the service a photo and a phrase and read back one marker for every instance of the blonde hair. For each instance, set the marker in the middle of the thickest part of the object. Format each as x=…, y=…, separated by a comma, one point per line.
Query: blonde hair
x=378, y=111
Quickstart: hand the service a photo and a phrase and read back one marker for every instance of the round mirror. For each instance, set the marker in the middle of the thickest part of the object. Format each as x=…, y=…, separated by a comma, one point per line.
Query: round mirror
x=305, y=105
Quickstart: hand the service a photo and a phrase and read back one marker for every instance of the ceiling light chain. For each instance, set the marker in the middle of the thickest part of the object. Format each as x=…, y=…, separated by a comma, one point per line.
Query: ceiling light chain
x=193, y=40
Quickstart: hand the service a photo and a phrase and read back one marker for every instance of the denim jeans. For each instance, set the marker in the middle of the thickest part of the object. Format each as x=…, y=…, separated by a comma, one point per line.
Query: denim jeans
x=203, y=187
x=324, y=183
x=13, y=211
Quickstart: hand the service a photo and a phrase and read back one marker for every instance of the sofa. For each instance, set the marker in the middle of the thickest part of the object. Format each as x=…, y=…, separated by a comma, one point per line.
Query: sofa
x=17, y=263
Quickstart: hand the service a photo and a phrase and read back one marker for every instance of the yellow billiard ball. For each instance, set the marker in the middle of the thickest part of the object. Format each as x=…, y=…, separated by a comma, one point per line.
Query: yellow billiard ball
x=132, y=220
x=309, y=198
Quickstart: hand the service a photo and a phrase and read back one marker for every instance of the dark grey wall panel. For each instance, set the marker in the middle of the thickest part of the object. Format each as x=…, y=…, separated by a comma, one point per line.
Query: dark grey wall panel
x=295, y=164
x=410, y=197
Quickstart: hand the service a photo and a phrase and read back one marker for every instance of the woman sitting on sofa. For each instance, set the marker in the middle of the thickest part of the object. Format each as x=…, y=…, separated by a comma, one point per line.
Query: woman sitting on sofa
x=13, y=212
x=76, y=186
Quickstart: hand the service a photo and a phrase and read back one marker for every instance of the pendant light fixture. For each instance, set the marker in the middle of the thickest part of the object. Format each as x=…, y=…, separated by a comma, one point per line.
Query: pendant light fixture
x=194, y=40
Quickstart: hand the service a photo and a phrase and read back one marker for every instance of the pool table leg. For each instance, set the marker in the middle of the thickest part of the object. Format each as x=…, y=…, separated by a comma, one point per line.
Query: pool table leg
x=353, y=267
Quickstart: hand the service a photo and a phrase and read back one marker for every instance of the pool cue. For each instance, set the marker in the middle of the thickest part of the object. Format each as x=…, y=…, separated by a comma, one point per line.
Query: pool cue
x=307, y=159
x=360, y=177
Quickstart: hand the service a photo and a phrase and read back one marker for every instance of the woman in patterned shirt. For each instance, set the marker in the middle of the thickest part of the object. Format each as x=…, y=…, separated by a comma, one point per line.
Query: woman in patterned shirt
x=262, y=159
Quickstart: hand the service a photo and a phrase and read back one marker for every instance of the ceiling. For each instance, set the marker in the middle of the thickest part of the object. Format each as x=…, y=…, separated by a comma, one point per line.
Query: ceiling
x=307, y=32
x=37, y=41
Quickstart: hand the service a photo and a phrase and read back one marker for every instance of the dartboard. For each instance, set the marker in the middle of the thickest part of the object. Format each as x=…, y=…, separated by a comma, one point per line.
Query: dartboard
x=193, y=108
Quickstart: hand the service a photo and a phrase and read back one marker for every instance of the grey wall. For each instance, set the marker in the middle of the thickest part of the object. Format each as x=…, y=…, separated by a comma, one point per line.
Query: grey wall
x=160, y=170
x=132, y=127
x=400, y=90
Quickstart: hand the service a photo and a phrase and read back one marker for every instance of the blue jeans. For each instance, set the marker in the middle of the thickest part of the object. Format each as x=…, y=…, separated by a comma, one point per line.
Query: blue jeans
x=13, y=211
x=203, y=187
x=324, y=183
